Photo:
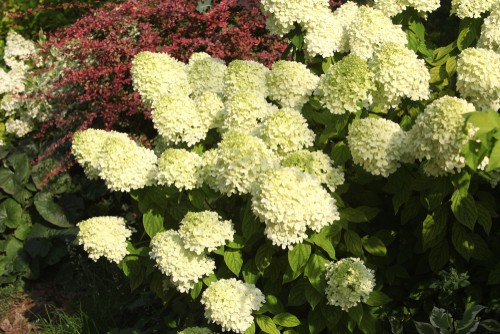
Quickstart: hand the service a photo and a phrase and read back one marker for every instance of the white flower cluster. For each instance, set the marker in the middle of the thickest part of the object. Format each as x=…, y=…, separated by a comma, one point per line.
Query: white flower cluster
x=490, y=31
x=471, y=8
x=398, y=73
x=180, y=168
x=118, y=160
x=346, y=86
x=348, y=282
x=104, y=236
x=377, y=145
x=18, y=127
x=289, y=201
x=205, y=231
x=394, y=7
x=196, y=330
x=478, y=73
x=230, y=302
x=437, y=135
x=184, y=267
x=290, y=84
x=206, y=74
x=318, y=164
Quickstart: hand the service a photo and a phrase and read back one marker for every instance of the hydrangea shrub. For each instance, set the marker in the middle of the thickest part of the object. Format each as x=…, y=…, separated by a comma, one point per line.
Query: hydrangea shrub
x=325, y=193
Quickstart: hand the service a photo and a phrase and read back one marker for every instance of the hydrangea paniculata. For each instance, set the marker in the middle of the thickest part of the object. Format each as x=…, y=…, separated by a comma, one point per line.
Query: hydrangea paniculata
x=206, y=74
x=471, y=8
x=104, y=237
x=490, y=31
x=230, y=302
x=180, y=168
x=348, y=283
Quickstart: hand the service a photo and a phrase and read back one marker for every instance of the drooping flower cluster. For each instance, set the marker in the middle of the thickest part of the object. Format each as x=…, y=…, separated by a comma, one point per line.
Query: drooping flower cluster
x=230, y=302
x=289, y=201
x=183, y=266
x=118, y=160
x=471, y=8
x=180, y=168
x=377, y=144
x=437, y=135
x=348, y=282
x=205, y=231
x=478, y=71
x=104, y=237
x=490, y=31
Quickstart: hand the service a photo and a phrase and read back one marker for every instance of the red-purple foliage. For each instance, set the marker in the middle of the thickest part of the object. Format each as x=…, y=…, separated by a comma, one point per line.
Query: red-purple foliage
x=97, y=90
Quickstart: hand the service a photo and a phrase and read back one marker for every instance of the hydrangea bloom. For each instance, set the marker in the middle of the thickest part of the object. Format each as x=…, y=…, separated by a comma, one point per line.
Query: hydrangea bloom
x=155, y=74
x=177, y=119
x=377, y=145
x=478, y=71
x=398, y=73
x=321, y=36
x=208, y=171
x=344, y=15
x=180, y=168
x=348, y=282
x=241, y=158
x=184, y=267
x=245, y=76
x=211, y=108
x=490, y=31
x=346, y=85
x=229, y=303
x=18, y=127
x=196, y=330
x=471, y=8
x=17, y=49
x=438, y=137
x=286, y=131
x=205, y=230
x=104, y=236
x=124, y=165
x=424, y=5
x=391, y=7
x=206, y=74
x=370, y=29
x=318, y=164
x=290, y=83
x=289, y=201
x=87, y=146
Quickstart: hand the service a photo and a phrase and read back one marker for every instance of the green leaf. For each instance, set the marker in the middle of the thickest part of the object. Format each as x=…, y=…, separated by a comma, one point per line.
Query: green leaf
x=286, y=319
x=298, y=256
x=468, y=32
x=196, y=290
x=11, y=214
x=9, y=183
x=249, y=225
x=433, y=230
x=21, y=166
x=251, y=329
x=439, y=256
x=374, y=246
x=462, y=241
x=316, y=321
x=491, y=325
x=233, y=260
x=153, y=222
x=197, y=198
x=320, y=240
x=332, y=315
x=368, y=324
x=132, y=268
x=469, y=323
x=451, y=65
x=314, y=270
x=484, y=218
x=50, y=210
x=313, y=296
x=464, y=208
x=353, y=243
x=441, y=319
x=273, y=305
x=494, y=162
x=13, y=247
x=264, y=256
x=297, y=295
x=203, y=6
x=237, y=243
x=424, y=328
x=484, y=121
x=494, y=276
x=360, y=214
x=377, y=298
x=356, y=313
x=266, y=324
x=340, y=153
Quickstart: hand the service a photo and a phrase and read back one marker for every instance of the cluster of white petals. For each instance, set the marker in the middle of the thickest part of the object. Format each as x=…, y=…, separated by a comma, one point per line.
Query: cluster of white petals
x=471, y=8
x=184, y=267
x=205, y=231
x=285, y=131
x=240, y=160
x=346, y=86
x=18, y=127
x=289, y=201
x=205, y=74
x=478, y=73
x=437, y=135
x=370, y=29
x=321, y=36
x=104, y=236
x=17, y=49
x=318, y=164
x=398, y=74
x=196, y=330
x=245, y=76
x=344, y=15
x=425, y=6
x=290, y=83
x=211, y=108
x=118, y=160
x=180, y=168
x=394, y=7
x=348, y=282
x=230, y=303
x=155, y=74
x=377, y=145
x=178, y=119
x=490, y=31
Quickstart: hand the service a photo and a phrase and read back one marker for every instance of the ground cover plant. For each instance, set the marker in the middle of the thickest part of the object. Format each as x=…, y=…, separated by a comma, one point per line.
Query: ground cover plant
x=351, y=189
